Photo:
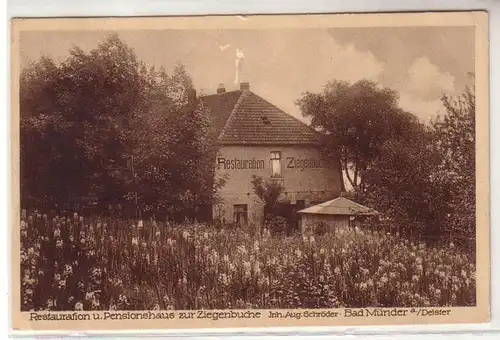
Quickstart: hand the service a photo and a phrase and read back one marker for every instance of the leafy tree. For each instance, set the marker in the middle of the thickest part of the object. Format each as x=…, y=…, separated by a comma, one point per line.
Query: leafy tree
x=454, y=139
x=386, y=153
x=268, y=191
x=101, y=129
x=357, y=119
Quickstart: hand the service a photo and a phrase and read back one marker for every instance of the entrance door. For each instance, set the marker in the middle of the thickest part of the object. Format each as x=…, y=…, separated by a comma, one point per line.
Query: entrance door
x=240, y=214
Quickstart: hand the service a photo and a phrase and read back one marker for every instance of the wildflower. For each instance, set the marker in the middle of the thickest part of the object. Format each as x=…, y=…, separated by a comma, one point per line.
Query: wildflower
x=298, y=253
x=78, y=306
x=144, y=244
x=82, y=240
x=337, y=270
x=157, y=233
x=59, y=244
x=122, y=299
x=23, y=224
x=75, y=215
x=140, y=224
x=311, y=239
x=256, y=268
x=256, y=246
x=322, y=251
x=95, y=303
x=185, y=235
x=135, y=241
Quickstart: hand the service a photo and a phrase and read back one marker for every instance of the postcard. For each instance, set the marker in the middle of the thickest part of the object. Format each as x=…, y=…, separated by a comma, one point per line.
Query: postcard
x=250, y=171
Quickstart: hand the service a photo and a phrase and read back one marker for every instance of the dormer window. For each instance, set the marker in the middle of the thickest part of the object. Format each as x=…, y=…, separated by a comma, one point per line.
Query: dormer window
x=265, y=120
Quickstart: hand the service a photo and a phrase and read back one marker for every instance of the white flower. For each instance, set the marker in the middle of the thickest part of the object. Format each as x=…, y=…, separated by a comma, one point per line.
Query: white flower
x=78, y=306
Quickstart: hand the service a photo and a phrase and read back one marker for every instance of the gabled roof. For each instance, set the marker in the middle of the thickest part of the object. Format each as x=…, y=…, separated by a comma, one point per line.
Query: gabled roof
x=243, y=118
x=339, y=206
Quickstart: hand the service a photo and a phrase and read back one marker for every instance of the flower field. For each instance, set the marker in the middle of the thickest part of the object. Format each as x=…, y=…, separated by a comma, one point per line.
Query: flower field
x=76, y=263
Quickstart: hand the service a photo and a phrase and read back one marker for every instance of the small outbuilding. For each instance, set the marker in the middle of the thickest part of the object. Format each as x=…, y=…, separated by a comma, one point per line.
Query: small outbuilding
x=339, y=213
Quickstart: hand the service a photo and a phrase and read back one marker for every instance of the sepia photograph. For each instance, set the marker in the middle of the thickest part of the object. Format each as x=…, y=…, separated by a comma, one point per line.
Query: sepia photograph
x=246, y=168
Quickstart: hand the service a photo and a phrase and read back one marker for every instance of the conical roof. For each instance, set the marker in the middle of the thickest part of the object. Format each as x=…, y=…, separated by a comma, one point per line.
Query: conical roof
x=339, y=206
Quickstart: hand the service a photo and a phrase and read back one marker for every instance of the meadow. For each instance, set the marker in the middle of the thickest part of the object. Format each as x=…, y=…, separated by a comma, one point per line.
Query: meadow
x=93, y=263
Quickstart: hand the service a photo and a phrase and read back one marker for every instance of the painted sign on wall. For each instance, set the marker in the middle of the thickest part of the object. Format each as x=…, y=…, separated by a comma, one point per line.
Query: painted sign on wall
x=305, y=163
x=240, y=164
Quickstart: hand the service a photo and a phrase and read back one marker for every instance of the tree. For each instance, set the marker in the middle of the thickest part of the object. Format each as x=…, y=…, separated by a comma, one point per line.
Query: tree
x=175, y=153
x=357, y=119
x=386, y=153
x=454, y=139
x=101, y=129
x=82, y=129
x=269, y=193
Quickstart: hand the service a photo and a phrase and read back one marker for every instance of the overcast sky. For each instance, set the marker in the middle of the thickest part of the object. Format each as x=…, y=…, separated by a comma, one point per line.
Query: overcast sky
x=420, y=63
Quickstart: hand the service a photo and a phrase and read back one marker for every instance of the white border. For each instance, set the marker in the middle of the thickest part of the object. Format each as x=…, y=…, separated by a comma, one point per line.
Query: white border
x=37, y=8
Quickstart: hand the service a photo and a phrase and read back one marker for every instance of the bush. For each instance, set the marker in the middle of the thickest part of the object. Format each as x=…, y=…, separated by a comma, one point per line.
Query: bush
x=320, y=228
x=276, y=224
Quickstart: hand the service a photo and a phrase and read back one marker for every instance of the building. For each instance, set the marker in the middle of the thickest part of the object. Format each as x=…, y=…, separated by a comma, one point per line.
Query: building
x=257, y=138
x=339, y=213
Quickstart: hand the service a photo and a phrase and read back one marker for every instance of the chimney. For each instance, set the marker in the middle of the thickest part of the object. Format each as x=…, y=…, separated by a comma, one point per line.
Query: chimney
x=221, y=89
x=245, y=86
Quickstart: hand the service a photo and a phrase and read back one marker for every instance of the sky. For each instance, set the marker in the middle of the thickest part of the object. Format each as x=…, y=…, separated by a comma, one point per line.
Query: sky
x=420, y=63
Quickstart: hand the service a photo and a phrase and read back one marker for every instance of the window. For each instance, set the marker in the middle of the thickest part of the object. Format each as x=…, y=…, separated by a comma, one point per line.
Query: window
x=300, y=204
x=240, y=213
x=276, y=164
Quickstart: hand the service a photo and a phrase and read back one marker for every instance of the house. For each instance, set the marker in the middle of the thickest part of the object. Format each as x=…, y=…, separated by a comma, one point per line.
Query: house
x=254, y=137
x=339, y=213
